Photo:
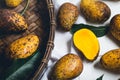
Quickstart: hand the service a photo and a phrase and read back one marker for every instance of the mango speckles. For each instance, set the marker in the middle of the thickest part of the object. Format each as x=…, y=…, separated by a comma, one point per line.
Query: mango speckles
x=13, y=21
x=67, y=15
x=95, y=11
x=24, y=47
x=111, y=60
x=115, y=26
x=19, y=22
x=67, y=67
x=13, y=3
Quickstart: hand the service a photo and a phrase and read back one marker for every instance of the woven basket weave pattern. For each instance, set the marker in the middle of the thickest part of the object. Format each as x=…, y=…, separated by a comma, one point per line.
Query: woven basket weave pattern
x=41, y=21
x=34, y=20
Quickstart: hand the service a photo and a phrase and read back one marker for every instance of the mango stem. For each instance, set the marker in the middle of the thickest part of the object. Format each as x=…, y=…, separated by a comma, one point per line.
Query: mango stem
x=25, y=8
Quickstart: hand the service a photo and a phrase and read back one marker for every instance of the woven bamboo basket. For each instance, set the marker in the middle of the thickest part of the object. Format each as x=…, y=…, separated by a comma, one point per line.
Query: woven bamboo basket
x=41, y=21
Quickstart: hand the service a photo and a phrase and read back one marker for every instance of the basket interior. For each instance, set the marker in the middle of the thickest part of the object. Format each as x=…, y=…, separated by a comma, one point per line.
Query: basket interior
x=37, y=17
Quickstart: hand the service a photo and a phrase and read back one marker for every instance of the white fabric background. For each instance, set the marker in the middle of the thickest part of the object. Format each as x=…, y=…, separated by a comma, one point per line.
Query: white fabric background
x=63, y=45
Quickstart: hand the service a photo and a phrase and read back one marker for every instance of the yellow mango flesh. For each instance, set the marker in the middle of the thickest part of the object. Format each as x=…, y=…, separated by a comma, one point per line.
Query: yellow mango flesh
x=86, y=41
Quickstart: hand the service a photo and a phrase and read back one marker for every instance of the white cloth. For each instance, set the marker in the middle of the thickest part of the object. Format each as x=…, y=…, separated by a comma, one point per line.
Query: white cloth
x=63, y=45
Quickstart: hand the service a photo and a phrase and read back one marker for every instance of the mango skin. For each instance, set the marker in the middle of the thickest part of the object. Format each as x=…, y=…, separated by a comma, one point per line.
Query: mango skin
x=95, y=11
x=23, y=47
x=13, y=3
x=111, y=60
x=67, y=15
x=11, y=21
x=68, y=67
x=115, y=26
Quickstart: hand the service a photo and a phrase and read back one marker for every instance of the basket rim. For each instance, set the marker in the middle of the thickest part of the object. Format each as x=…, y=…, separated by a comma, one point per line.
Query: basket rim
x=50, y=43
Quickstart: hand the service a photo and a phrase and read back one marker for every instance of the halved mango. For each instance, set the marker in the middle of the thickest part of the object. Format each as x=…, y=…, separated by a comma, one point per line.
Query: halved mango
x=86, y=42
